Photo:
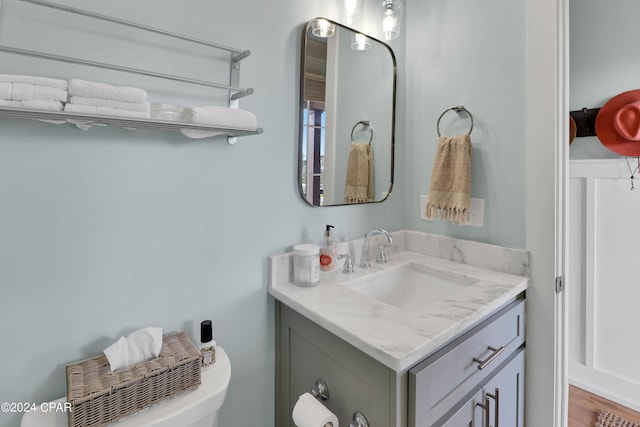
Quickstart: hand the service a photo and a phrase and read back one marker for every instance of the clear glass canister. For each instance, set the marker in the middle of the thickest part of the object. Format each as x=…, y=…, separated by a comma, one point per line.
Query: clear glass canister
x=306, y=264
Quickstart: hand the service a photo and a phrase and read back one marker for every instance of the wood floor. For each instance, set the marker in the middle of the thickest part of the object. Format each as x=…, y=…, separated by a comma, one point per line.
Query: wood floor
x=584, y=408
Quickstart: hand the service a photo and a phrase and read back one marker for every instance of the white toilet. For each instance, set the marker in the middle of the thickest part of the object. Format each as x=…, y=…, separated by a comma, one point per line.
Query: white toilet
x=197, y=408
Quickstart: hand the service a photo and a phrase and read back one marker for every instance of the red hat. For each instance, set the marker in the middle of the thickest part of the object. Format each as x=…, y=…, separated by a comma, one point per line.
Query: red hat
x=618, y=124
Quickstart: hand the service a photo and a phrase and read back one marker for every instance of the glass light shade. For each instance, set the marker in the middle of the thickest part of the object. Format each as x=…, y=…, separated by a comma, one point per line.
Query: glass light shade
x=322, y=28
x=360, y=42
x=351, y=11
x=390, y=16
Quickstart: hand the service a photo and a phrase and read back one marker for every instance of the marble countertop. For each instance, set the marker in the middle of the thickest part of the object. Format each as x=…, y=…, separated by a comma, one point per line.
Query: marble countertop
x=400, y=338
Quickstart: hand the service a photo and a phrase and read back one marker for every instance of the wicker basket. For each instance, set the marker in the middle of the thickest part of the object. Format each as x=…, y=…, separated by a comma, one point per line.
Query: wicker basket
x=99, y=397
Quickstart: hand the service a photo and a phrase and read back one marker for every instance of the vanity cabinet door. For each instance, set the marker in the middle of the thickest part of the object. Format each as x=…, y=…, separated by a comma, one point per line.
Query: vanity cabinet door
x=440, y=382
x=469, y=414
x=500, y=402
x=356, y=382
x=504, y=394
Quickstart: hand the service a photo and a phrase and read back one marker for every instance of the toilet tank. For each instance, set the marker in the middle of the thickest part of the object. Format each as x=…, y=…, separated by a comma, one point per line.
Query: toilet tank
x=196, y=408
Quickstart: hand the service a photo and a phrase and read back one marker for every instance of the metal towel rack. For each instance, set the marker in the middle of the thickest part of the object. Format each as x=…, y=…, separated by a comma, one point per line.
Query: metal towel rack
x=457, y=109
x=235, y=92
x=366, y=125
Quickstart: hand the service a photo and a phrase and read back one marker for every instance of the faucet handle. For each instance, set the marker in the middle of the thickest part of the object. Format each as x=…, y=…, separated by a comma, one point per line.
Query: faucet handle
x=348, y=263
x=381, y=258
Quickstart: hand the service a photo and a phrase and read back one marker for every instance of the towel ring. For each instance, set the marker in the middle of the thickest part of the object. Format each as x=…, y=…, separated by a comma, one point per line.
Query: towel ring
x=457, y=109
x=363, y=123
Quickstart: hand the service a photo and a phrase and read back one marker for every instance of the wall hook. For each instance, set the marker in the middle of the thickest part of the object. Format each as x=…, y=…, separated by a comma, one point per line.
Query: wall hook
x=585, y=119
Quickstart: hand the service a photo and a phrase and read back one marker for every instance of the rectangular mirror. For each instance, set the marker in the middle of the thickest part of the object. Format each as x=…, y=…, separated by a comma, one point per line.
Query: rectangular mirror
x=347, y=116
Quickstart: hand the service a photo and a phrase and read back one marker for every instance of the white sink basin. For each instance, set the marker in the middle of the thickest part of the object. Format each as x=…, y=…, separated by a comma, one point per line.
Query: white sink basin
x=410, y=286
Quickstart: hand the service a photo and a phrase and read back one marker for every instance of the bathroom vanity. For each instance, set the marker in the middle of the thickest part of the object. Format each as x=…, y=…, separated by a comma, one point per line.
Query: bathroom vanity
x=450, y=356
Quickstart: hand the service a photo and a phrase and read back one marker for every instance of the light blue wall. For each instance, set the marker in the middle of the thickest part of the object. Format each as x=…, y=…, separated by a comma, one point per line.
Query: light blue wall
x=603, y=62
x=108, y=230
x=469, y=53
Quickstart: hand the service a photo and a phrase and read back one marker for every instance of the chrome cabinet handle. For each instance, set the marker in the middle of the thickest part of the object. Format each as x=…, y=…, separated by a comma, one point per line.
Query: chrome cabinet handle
x=485, y=410
x=483, y=363
x=496, y=397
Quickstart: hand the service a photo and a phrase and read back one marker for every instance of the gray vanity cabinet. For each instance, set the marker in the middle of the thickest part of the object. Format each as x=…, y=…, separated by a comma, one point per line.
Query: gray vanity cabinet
x=356, y=382
x=475, y=380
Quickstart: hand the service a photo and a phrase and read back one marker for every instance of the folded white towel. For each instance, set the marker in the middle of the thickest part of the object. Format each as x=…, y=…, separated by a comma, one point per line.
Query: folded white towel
x=143, y=107
x=5, y=90
x=35, y=80
x=109, y=111
x=28, y=91
x=140, y=345
x=89, y=89
x=21, y=92
x=223, y=117
x=36, y=104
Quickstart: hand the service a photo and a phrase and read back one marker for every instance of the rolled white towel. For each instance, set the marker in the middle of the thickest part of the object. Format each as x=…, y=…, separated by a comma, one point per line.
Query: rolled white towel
x=36, y=104
x=223, y=117
x=109, y=111
x=89, y=89
x=143, y=107
x=35, y=80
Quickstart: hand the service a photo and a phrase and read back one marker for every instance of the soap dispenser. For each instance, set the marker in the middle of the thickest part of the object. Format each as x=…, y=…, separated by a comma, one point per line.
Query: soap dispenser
x=328, y=249
x=207, y=345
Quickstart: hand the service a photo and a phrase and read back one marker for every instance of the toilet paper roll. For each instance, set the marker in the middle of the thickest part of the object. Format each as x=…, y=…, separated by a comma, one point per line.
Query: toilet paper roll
x=309, y=412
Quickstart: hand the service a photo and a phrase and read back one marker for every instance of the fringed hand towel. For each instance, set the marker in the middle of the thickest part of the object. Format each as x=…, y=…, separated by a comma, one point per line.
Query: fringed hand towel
x=359, y=186
x=450, y=190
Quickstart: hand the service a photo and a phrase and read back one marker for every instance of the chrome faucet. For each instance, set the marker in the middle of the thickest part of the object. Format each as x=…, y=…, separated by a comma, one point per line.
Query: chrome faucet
x=364, y=256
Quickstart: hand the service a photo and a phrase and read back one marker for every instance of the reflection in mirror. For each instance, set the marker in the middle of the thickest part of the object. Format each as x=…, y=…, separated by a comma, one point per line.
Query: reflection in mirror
x=347, y=116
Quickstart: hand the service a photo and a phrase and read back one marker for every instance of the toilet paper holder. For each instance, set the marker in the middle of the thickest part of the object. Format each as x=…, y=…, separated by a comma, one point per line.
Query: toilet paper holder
x=359, y=420
x=320, y=390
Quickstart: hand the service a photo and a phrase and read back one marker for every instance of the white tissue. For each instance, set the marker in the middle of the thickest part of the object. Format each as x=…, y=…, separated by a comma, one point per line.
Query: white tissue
x=138, y=346
x=309, y=412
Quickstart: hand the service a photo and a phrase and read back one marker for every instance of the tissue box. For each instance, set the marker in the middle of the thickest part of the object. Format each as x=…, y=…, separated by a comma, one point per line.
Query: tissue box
x=99, y=397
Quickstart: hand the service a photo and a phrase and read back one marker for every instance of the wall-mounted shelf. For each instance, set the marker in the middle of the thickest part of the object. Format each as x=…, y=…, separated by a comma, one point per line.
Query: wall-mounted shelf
x=235, y=92
x=125, y=122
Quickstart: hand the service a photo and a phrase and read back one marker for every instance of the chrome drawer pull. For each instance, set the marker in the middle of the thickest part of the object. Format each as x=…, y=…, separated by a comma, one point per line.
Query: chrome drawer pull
x=483, y=363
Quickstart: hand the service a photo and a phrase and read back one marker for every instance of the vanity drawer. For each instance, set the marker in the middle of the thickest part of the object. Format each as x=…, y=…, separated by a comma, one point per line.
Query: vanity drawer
x=442, y=380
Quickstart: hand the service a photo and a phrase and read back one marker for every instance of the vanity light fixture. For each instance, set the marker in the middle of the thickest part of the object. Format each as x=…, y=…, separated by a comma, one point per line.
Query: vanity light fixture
x=390, y=15
x=322, y=28
x=360, y=42
x=350, y=11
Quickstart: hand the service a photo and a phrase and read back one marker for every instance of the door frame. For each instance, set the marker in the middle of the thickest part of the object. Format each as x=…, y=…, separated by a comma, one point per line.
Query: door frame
x=547, y=145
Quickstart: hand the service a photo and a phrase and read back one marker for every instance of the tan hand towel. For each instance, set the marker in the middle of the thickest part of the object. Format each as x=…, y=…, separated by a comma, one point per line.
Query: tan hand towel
x=359, y=186
x=450, y=190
